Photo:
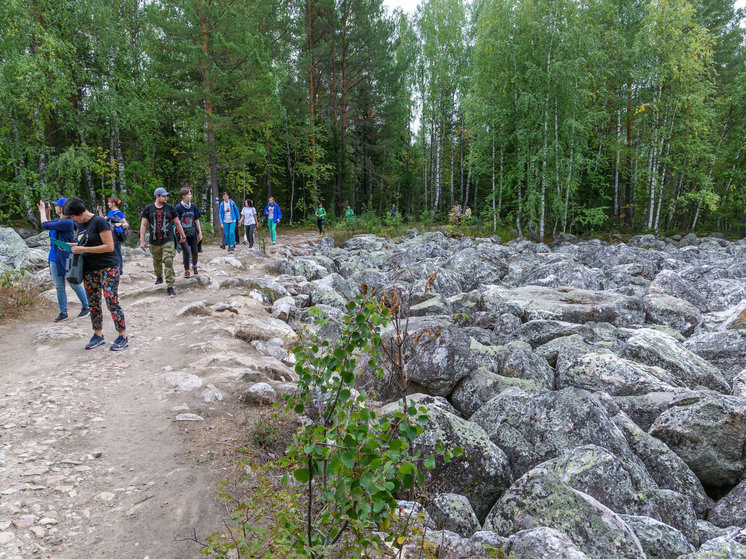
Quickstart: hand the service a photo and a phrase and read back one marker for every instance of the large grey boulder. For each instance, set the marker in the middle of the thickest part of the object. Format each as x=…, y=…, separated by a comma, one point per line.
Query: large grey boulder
x=542, y=543
x=730, y=546
x=671, y=311
x=659, y=540
x=624, y=487
x=453, y=512
x=533, y=428
x=725, y=350
x=489, y=379
x=439, y=359
x=670, y=283
x=541, y=332
x=40, y=240
x=333, y=290
x=661, y=350
x=471, y=270
x=541, y=498
x=607, y=372
x=644, y=409
x=482, y=473
x=708, y=431
x=367, y=243
x=739, y=384
x=560, y=271
x=271, y=288
x=15, y=253
x=569, y=305
x=731, y=509
x=562, y=352
x=664, y=466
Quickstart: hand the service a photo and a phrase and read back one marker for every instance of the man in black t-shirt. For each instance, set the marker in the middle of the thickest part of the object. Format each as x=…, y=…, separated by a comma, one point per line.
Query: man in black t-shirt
x=159, y=218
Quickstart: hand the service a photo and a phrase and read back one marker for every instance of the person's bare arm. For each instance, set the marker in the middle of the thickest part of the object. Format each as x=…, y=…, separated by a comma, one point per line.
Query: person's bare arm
x=108, y=245
x=42, y=207
x=199, y=230
x=143, y=229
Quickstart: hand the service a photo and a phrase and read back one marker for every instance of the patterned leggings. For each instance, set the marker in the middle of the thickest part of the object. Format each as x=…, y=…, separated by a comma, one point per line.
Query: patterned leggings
x=106, y=279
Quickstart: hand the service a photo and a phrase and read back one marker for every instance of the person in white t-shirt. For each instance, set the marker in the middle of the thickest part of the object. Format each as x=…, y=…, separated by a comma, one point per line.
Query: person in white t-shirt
x=248, y=220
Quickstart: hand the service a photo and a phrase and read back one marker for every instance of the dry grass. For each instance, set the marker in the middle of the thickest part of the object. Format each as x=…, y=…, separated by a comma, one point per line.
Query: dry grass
x=19, y=297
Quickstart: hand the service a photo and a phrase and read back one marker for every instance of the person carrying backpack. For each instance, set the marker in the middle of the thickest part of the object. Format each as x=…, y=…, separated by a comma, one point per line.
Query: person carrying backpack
x=119, y=224
x=189, y=216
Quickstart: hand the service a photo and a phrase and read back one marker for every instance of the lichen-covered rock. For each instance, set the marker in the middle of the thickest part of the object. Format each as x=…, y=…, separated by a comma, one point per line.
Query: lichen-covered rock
x=15, y=253
x=541, y=332
x=670, y=283
x=453, y=512
x=573, y=305
x=562, y=352
x=731, y=509
x=664, y=466
x=644, y=409
x=471, y=270
x=708, y=431
x=541, y=498
x=624, y=487
x=725, y=350
x=441, y=357
x=543, y=543
x=659, y=540
x=606, y=372
x=739, y=384
x=482, y=473
x=333, y=290
x=481, y=385
x=270, y=288
x=367, y=243
x=661, y=350
x=708, y=531
x=673, y=312
x=435, y=306
x=730, y=546
x=533, y=428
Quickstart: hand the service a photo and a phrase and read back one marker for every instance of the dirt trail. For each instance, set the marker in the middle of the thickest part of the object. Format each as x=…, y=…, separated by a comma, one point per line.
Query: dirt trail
x=93, y=460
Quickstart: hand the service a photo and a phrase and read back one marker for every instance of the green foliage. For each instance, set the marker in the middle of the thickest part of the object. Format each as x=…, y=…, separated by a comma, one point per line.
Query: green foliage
x=350, y=461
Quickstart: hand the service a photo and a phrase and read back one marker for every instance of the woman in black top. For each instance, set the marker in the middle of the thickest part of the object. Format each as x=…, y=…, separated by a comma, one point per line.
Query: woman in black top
x=100, y=271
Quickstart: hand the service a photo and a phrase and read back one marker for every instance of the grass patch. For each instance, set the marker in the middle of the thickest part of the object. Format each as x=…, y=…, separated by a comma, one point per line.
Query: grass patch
x=18, y=294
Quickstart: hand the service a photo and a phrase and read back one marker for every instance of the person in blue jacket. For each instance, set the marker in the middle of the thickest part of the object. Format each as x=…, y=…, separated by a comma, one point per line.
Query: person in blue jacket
x=229, y=216
x=273, y=214
x=62, y=229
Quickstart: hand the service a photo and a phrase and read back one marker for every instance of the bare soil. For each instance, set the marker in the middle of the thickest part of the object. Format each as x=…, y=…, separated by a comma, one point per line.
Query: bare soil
x=94, y=460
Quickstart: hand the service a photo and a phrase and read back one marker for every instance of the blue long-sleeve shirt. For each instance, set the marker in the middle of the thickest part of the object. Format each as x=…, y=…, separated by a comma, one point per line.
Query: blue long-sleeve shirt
x=62, y=230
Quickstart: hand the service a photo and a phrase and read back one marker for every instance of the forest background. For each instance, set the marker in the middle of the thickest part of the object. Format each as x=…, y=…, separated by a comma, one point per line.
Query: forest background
x=544, y=116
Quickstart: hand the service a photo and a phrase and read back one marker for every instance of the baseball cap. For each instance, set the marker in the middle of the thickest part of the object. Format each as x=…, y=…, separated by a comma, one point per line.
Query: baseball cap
x=60, y=202
x=160, y=191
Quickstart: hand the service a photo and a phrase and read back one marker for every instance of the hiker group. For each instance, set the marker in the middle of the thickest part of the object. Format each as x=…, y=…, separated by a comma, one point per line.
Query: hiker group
x=86, y=248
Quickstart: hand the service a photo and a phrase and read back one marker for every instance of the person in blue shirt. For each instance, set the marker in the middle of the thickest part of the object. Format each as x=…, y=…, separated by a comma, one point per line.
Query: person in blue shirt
x=229, y=216
x=62, y=229
x=273, y=214
x=116, y=218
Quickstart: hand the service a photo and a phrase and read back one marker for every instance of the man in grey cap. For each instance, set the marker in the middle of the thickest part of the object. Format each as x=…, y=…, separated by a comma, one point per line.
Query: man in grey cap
x=160, y=217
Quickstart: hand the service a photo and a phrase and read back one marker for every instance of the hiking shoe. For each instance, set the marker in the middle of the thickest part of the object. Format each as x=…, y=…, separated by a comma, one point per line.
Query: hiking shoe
x=84, y=312
x=158, y=281
x=171, y=292
x=195, y=271
x=95, y=342
x=119, y=344
x=187, y=274
x=222, y=246
x=60, y=317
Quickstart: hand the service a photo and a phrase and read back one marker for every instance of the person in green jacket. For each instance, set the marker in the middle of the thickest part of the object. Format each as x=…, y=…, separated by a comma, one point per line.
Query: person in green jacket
x=320, y=215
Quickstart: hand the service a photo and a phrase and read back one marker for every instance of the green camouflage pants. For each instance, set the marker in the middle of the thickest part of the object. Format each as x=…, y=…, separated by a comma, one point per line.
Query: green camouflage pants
x=163, y=256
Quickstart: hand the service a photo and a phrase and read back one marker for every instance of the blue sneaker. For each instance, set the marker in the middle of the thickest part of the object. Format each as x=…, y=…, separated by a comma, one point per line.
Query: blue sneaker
x=95, y=342
x=119, y=344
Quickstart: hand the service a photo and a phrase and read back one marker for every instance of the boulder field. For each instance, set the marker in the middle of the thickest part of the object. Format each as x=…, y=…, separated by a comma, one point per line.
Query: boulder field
x=598, y=390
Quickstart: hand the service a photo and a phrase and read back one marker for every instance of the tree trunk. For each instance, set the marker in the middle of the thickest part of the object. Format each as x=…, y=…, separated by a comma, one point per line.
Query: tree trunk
x=209, y=124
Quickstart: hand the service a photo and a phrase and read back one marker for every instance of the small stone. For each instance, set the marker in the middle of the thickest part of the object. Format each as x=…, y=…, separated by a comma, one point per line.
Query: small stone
x=38, y=531
x=97, y=454
x=6, y=537
x=26, y=521
x=105, y=496
x=189, y=417
x=48, y=520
